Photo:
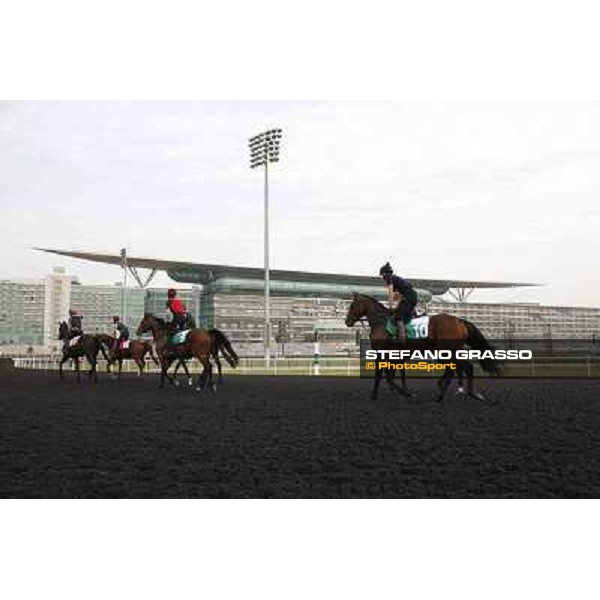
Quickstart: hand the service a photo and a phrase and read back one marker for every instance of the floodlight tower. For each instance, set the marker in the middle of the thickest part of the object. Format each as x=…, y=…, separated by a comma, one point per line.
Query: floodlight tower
x=124, y=287
x=264, y=148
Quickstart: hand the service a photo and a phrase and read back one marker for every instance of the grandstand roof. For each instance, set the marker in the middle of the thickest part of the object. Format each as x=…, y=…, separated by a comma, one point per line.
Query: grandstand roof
x=189, y=272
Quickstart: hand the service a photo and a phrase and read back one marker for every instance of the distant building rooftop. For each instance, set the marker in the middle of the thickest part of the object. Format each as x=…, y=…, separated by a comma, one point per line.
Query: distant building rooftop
x=202, y=273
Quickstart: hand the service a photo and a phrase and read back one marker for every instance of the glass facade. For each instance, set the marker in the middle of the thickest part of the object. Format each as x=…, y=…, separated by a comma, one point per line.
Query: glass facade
x=98, y=304
x=21, y=313
x=156, y=299
x=300, y=312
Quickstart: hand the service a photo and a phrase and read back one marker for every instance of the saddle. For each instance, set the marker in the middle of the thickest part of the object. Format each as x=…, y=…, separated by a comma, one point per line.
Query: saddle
x=74, y=341
x=416, y=329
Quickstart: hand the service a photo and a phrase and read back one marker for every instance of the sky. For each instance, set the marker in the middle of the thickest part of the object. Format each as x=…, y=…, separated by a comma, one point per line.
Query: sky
x=490, y=191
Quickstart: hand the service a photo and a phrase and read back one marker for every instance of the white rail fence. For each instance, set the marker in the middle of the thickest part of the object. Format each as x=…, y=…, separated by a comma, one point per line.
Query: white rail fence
x=247, y=366
x=327, y=366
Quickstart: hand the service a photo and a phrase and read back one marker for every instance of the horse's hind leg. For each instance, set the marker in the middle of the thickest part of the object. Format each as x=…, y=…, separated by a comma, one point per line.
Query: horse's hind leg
x=139, y=361
x=470, y=384
x=461, y=367
x=206, y=375
x=443, y=383
x=219, y=368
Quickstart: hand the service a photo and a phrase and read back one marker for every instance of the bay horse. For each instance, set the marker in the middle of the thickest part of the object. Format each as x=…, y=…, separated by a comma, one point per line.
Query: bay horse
x=199, y=344
x=87, y=345
x=445, y=332
x=220, y=344
x=136, y=351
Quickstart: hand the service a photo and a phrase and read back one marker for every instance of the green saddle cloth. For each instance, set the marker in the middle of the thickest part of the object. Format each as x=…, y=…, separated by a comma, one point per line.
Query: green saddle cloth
x=178, y=337
x=391, y=328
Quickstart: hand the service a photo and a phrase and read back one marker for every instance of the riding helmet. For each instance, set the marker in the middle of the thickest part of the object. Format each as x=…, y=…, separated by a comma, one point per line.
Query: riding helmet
x=171, y=293
x=386, y=269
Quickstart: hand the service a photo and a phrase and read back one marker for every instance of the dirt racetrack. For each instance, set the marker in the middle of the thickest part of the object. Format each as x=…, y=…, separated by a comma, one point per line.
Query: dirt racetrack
x=295, y=437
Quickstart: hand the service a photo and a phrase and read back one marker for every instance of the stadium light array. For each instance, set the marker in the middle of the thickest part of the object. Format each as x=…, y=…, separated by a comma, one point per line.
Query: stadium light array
x=264, y=149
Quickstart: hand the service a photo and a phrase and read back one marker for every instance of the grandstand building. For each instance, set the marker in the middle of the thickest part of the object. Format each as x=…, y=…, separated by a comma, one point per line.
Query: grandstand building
x=308, y=305
x=22, y=312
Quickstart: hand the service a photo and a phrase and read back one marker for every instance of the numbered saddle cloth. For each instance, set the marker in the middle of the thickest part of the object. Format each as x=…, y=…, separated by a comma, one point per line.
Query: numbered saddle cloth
x=179, y=337
x=125, y=345
x=73, y=341
x=416, y=329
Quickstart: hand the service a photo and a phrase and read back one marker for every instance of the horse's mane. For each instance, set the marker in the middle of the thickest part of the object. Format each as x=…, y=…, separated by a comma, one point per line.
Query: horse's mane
x=160, y=321
x=374, y=300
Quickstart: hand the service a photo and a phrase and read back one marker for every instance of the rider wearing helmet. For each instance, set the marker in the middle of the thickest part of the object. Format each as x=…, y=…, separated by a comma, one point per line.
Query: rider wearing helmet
x=178, y=310
x=75, y=327
x=403, y=310
x=121, y=333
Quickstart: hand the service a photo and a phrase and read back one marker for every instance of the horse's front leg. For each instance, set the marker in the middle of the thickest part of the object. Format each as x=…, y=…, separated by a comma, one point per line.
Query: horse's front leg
x=94, y=367
x=76, y=360
x=390, y=376
x=378, y=374
x=165, y=363
x=61, y=375
x=187, y=371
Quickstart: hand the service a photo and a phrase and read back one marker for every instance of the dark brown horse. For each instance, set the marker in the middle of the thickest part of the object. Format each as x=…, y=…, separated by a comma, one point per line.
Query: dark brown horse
x=136, y=351
x=199, y=344
x=220, y=344
x=85, y=345
x=444, y=332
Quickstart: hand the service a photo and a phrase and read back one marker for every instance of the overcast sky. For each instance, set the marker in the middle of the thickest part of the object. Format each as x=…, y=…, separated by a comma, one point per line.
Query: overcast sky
x=482, y=191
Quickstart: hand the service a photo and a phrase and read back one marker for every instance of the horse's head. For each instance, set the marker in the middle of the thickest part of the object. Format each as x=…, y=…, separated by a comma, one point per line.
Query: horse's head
x=356, y=311
x=150, y=323
x=63, y=331
x=145, y=324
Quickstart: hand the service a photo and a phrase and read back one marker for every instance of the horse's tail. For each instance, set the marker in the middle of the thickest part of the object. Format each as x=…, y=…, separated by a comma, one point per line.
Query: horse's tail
x=220, y=342
x=152, y=354
x=476, y=340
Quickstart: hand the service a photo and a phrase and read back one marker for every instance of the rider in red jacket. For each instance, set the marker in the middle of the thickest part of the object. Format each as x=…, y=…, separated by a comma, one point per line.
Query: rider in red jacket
x=178, y=310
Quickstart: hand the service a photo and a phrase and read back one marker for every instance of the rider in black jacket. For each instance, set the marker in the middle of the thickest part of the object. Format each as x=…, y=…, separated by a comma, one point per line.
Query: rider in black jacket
x=408, y=298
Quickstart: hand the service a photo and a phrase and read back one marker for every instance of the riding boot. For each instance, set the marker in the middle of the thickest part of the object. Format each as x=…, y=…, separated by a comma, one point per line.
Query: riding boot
x=401, y=331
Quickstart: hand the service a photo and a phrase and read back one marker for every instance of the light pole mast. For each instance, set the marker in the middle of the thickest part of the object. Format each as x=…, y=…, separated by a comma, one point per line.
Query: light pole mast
x=264, y=148
x=124, y=288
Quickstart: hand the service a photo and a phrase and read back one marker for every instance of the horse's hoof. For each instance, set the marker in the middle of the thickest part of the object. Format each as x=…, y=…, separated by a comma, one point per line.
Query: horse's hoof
x=213, y=388
x=478, y=396
x=199, y=390
x=460, y=393
x=176, y=383
x=190, y=382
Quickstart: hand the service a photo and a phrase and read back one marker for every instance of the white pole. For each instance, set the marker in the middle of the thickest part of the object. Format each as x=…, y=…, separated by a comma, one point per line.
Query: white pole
x=267, y=307
x=316, y=370
x=124, y=299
